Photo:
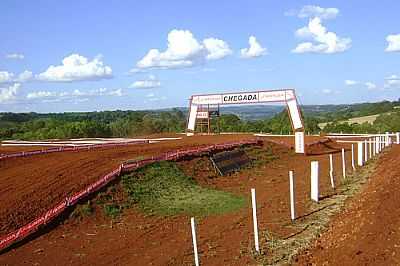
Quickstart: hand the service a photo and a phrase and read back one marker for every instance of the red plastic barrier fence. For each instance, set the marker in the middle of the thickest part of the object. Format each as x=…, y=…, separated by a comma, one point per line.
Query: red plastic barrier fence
x=68, y=148
x=51, y=214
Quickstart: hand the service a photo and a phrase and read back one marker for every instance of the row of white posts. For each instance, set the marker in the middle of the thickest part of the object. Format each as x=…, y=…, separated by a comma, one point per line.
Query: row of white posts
x=365, y=150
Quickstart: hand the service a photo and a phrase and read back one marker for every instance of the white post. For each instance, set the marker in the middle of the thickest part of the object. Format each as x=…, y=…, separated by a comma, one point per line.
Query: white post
x=398, y=137
x=373, y=147
x=292, y=200
x=196, y=255
x=314, y=181
x=383, y=142
x=387, y=139
x=370, y=148
x=299, y=142
x=253, y=203
x=343, y=164
x=360, y=153
x=352, y=157
x=331, y=170
x=365, y=151
x=377, y=144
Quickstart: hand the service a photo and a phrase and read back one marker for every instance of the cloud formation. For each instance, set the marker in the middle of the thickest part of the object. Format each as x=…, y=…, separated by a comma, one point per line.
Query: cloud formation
x=322, y=40
x=15, y=56
x=149, y=83
x=255, y=49
x=74, y=94
x=76, y=68
x=9, y=93
x=370, y=85
x=392, y=82
x=184, y=50
x=6, y=77
x=310, y=11
x=393, y=43
x=350, y=82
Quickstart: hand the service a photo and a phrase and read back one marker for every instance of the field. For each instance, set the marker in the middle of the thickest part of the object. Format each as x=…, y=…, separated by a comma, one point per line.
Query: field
x=359, y=120
x=120, y=226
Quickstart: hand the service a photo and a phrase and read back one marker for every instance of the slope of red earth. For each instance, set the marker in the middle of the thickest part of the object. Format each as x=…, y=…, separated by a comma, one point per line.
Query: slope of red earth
x=367, y=232
x=138, y=239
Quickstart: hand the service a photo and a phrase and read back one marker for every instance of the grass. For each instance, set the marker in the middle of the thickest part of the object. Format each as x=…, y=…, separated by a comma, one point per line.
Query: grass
x=82, y=210
x=112, y=210
x=163, y=189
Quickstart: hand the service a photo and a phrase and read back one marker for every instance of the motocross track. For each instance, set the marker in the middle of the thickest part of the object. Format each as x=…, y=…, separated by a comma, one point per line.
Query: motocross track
x=368, y=231
x=32, y=184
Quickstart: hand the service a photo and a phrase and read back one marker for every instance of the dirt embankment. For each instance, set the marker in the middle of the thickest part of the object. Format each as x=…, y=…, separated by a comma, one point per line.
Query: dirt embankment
x=367, y=232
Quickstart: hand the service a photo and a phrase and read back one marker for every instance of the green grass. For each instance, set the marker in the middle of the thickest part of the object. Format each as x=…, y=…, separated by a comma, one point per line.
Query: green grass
x=163, y=189
x=112, y=210
x=82, y=210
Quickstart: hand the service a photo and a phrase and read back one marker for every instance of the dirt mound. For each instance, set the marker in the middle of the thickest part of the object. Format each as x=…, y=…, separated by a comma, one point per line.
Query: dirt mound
x=324, y=146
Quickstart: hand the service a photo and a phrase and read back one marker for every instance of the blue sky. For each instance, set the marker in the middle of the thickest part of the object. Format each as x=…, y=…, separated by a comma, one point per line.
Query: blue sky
x=330, y=52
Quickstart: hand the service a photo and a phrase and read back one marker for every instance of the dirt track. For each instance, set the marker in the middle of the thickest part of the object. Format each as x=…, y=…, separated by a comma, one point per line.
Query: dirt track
x=33, y=184
x=368, y=231
x=139, y=239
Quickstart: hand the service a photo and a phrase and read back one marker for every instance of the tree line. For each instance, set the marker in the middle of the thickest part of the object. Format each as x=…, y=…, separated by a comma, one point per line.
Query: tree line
x=34, y=126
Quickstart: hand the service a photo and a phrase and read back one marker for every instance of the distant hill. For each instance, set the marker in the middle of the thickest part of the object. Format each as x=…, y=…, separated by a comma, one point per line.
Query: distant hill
x=323, y=113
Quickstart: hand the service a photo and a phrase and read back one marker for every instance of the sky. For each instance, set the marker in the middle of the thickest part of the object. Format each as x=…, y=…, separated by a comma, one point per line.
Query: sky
x=63, y=56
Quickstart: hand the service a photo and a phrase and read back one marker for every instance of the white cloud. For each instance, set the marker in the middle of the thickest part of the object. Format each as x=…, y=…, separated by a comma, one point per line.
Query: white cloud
x=350, y=82
x=117, y=92
x=25, y=76
x=310, y=11
x=323, y=41
x=6, y=77
x=15, y=56
x=326, y=91
x=392, y=82
x=183, y=50
x=76, y=68
x=216, y=48
x=255, y=49
x=58, y=96
x=370, y=85
x=9, y=93
x=41, y=94
x=149, y=83
x=393, y=43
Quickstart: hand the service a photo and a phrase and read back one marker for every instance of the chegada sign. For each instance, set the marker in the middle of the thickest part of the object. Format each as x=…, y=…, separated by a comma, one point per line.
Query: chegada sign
x=286, y=96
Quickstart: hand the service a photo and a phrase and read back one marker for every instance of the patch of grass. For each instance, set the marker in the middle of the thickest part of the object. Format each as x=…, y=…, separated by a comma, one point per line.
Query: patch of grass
x=260, y=156
x=162, y=188
x=82, y=210
x=112, y=210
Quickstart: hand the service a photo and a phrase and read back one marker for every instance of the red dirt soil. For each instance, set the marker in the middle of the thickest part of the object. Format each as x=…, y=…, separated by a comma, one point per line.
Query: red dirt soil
x=33, y=184
x=29, y=186
x=367, y=232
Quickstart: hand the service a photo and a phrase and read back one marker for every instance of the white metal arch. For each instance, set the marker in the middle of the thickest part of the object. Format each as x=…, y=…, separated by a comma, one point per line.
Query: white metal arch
x=286, y=96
